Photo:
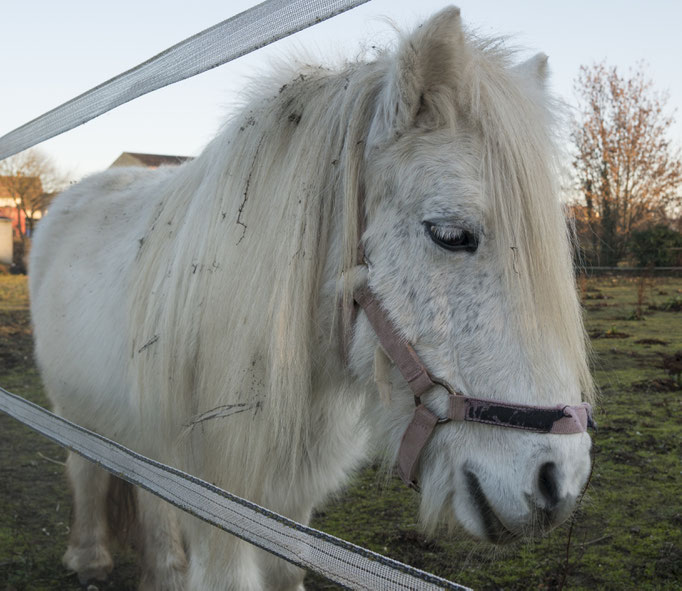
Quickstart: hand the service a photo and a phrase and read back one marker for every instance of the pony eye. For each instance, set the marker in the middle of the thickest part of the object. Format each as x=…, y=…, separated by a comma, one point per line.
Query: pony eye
x=451, y=237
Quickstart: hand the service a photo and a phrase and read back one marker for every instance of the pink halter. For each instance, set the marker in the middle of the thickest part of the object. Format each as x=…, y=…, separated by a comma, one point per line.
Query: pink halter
x=560, y=419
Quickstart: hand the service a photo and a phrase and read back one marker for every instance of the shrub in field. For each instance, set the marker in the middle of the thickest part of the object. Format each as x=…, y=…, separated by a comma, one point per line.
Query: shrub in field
x=20, y=256
x=655, y=247
x=673, y=304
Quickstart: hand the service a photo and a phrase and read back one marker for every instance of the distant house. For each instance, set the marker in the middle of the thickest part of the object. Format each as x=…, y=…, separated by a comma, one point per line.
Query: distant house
x=148, y=160
x=11, y=188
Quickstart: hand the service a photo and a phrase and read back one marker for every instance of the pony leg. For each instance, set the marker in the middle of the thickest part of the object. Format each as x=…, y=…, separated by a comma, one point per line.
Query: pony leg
x=281, y=575
x=221, y=562
x=87, y=552
x=164, y=564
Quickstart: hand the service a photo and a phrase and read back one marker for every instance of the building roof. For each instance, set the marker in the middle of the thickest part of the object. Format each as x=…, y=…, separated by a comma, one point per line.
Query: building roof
x=148, y=160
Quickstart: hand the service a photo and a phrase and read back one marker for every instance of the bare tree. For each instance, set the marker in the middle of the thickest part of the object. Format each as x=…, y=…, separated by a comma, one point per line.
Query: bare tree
x=31, y=180
x=627, y=171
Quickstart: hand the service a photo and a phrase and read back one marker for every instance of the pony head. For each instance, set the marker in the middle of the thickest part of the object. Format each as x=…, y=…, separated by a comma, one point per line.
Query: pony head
x=468, y=252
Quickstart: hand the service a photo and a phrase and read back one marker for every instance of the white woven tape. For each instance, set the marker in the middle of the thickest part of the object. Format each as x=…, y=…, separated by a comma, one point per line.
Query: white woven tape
x=348, y=565
x=254, y=28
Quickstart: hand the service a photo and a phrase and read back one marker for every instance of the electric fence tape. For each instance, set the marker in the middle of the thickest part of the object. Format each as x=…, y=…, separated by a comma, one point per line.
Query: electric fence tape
x=243, y=33
x=351, y=566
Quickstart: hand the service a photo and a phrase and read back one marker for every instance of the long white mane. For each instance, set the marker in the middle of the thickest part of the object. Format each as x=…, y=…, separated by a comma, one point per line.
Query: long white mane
x=238, y=257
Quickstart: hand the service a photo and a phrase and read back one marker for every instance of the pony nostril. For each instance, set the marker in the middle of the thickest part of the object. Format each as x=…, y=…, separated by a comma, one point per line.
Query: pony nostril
x=547, y=484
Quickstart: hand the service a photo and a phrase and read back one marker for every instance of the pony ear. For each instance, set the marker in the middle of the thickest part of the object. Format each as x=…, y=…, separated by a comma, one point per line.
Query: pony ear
x=425, y=63
x=535, y=69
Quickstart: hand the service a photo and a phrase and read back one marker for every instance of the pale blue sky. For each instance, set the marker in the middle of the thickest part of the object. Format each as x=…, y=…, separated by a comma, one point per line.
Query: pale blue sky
x=55, y=50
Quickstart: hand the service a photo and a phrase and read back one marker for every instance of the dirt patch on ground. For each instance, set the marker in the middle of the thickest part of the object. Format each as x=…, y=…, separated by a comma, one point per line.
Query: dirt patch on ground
x=655, y=385
x=651, y=342
x=596, y=296
x=673, y=304
x=608, y=334
x=672, y=363
x=593, y=307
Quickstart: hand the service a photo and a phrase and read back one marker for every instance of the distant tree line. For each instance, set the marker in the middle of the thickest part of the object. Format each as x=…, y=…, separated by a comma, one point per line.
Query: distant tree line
x=627, y=173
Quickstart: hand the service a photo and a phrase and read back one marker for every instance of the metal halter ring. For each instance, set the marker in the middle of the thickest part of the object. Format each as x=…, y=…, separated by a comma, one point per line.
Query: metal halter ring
x=450, y=390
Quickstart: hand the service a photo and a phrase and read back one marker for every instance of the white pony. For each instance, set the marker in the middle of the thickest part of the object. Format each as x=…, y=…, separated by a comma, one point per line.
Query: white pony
x=192, y=313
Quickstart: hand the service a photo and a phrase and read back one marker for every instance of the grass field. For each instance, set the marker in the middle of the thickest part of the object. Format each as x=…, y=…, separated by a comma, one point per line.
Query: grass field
x=625, y=535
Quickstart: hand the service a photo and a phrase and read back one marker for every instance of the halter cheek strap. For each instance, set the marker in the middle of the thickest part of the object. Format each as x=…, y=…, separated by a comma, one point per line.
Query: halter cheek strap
x=560, y=419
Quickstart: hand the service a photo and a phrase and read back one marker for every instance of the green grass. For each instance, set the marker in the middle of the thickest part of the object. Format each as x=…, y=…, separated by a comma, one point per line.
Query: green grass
x=13, y=292
x=625, y=535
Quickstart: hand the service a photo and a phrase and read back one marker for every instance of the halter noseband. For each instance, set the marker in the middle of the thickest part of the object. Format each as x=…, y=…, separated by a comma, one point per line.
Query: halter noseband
x=560, y=419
